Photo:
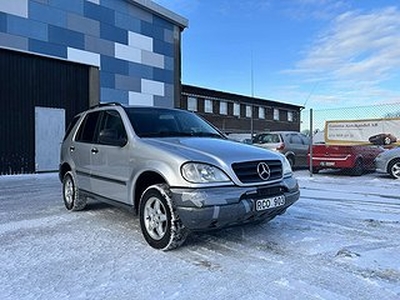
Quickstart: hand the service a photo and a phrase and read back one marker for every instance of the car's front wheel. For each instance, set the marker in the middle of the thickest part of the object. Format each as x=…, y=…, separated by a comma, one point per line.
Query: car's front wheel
x=71, y=196
x=394, y=169
x=291, y=161
x=160, y=223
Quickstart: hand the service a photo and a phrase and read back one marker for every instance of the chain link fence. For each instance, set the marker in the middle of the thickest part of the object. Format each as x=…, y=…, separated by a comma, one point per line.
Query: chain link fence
x=349, y=122
x=320, y=116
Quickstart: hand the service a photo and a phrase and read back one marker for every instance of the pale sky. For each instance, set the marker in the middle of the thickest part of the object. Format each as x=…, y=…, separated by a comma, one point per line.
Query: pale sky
x=317, y=53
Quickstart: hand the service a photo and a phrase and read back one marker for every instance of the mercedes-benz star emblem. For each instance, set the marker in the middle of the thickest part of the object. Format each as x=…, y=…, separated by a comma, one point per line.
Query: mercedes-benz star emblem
x=263, y=171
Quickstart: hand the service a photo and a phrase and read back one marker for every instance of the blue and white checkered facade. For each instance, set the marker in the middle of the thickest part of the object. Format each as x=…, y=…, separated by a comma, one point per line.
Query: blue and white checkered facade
x=133, y=46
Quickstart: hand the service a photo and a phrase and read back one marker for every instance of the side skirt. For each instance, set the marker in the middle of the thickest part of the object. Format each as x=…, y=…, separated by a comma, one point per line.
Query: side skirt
x=112, y=202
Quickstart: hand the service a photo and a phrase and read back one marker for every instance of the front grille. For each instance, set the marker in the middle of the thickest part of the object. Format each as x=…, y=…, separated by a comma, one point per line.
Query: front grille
x=247, y=171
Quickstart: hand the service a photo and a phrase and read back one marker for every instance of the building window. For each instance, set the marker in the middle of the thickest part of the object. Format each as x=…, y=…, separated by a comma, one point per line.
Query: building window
x=248, y=111
x=208, y=106
x=236, y=109
x=276, y=114
x=192, y=104
x=290, y=116
x=261, y=113
x=223, y=107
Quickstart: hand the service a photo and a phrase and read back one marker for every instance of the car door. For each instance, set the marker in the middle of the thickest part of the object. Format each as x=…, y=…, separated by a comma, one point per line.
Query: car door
x=299, y=145
x=110, y=158
x=81, y=148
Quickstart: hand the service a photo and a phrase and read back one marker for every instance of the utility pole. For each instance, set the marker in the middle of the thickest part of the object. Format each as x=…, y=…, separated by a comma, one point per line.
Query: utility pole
x=252, y=96
x=311, y=140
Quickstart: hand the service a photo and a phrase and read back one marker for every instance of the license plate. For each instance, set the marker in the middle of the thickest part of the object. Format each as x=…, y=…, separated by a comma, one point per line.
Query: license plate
x=327, y=163
x=268, y=203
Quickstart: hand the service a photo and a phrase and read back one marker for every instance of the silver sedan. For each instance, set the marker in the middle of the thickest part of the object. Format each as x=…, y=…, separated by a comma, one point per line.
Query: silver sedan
x=389, y=162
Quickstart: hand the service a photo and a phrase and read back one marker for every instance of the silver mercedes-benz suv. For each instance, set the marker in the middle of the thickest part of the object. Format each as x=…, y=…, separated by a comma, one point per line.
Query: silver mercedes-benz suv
x=172, y=168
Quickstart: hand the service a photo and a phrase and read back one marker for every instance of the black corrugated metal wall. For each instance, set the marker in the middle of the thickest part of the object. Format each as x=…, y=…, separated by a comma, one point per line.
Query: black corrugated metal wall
x=27, y=81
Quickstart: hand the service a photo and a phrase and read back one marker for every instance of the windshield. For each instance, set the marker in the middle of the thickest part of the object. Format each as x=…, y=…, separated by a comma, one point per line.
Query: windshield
x=160, y=122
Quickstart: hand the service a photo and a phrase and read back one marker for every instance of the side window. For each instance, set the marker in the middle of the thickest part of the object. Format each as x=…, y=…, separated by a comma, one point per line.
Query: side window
x=87, y=131
x=112, y=124
x=70, y=126
x=295, y=139
x=258, y=139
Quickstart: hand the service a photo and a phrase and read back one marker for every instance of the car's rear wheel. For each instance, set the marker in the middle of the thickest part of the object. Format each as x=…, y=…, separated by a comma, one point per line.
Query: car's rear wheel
x=71, y=196
x=315, y=170
x=394, y=169
x=159, y=221
x=358, y=168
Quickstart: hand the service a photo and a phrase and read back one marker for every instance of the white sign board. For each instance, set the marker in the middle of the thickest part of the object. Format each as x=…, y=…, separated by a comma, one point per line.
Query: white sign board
x=376, y=132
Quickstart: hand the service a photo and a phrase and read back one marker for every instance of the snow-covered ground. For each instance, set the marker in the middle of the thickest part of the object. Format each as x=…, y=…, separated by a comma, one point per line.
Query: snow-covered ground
x=341, y=240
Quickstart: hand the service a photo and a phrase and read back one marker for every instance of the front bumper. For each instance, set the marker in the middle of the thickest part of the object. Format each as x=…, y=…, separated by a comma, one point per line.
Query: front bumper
x=380, y=165
x=206, y=209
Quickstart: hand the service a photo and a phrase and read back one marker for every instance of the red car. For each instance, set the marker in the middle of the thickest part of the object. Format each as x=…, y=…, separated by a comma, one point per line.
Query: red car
x=352, y=158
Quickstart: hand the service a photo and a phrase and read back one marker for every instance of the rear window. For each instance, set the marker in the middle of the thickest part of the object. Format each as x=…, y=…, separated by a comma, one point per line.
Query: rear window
x=268, y=138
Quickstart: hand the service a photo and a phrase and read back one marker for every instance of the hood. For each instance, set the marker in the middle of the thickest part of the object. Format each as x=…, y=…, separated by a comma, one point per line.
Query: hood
x=211, y=150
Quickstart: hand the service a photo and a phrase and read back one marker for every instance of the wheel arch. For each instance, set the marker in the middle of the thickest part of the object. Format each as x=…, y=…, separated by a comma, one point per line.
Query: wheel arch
x=292, y=156
x=146, y=179
x=360, y=158
x=64, y=168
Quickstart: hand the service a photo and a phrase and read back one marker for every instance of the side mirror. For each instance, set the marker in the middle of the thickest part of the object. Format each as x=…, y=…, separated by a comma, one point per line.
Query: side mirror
x=110, y=137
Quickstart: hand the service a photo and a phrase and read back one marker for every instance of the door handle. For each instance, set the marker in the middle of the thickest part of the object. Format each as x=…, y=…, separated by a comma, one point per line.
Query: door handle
x=72, y=148
x=94, y=150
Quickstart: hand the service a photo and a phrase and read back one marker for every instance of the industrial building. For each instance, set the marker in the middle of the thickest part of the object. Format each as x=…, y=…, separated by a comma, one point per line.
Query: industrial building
x=59, y=57
x=233, y=113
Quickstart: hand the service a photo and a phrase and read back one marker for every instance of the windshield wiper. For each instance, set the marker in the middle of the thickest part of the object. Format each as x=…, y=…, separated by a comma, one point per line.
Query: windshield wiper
x=180, y=134
x=165, y=134
x=207, y=134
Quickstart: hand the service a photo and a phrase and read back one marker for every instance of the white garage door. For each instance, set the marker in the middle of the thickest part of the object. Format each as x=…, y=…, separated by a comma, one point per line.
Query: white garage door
x=49, y=132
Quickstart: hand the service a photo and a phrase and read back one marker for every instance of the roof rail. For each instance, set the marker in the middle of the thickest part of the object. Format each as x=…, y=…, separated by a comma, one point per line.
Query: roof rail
x=106, y=104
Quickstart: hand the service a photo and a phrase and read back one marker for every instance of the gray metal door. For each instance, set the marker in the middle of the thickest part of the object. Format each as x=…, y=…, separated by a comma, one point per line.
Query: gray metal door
x=49, y=132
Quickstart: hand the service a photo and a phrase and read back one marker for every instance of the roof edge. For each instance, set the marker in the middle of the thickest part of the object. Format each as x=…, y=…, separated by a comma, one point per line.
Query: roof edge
x=162, y=11
x=221, y=95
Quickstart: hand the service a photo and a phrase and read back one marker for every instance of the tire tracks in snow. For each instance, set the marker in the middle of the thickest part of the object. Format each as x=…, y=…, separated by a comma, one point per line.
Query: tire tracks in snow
x=277, y=260
x=369, y=200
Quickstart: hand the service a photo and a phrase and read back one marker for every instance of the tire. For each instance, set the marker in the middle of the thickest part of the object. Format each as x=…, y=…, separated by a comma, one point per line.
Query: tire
x=358, y=168
x=394, y=169
x=159, y=221
x=72, y=199
x=315, y=170
x=291, y=161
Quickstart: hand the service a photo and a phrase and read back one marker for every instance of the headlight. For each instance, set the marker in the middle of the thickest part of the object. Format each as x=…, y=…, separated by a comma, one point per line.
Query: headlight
x=203, y=173
x=286, y=168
